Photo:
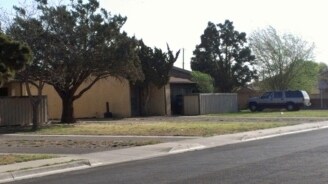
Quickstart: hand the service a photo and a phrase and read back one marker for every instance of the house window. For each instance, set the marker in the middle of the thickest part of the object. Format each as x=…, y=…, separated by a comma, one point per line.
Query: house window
x=4, y=92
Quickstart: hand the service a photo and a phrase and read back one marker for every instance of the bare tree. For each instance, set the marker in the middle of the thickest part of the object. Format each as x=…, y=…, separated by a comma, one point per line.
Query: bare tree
x=279, y=57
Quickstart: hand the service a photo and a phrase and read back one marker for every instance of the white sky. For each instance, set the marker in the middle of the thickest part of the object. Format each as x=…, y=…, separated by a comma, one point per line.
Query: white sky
x=180, y=23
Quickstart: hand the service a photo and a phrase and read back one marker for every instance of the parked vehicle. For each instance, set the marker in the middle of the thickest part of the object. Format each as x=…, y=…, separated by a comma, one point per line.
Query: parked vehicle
x=291, y=100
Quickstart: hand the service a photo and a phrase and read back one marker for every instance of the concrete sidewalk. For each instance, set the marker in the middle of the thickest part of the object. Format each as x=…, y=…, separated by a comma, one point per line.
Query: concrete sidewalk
x=75, y=162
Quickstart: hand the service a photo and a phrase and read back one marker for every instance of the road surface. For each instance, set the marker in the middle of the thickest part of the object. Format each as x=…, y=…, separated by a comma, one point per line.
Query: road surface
x=298, y=158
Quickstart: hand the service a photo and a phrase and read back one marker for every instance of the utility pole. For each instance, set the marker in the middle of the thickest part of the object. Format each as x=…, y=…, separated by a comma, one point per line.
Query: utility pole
x=182, y=58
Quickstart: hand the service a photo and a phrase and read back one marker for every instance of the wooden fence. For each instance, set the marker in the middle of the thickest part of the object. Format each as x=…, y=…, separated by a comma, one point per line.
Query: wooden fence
x=18, y=111
x=210, y=103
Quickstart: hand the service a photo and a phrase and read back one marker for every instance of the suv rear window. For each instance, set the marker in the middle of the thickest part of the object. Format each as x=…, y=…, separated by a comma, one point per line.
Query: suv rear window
x=294, y=94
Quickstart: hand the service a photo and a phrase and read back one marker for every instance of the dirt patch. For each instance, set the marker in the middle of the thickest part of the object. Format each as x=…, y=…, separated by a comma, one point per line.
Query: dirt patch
x=73, y=144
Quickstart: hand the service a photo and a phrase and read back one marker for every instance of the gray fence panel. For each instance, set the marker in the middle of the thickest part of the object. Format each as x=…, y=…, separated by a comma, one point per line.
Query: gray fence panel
x=218, y=103
x=210, y=103
x=18, y=111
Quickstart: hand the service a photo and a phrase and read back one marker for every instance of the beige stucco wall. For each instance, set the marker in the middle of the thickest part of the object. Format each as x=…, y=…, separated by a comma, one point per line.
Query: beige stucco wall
x=54, y=101
x=159, y=101
x=168, y=100
x=14, y=88
x=93, y=102
x=115, y=92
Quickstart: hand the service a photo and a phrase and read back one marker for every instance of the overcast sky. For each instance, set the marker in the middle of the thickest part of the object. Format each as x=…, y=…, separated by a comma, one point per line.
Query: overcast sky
x=180, y=23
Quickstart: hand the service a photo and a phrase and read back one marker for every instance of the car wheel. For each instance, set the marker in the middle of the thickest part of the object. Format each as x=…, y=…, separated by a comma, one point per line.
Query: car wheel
x=253, y=107
x=259, y=109
x=290, y=107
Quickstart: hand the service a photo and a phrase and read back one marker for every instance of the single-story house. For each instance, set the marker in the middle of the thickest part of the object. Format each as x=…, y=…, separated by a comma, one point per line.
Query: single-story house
x=180, y=85
x=122, y=97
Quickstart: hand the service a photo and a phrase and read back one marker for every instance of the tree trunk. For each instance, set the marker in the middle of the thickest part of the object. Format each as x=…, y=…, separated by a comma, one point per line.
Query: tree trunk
x=35, y=103
x=35, y=113
x=68, y=110
x=35, y=122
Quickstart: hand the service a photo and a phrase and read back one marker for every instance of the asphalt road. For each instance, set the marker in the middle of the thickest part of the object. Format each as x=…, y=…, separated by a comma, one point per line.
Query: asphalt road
x=298, y=158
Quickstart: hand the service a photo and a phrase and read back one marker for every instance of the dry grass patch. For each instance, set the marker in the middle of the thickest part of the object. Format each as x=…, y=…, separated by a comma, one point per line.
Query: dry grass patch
x=277, y=114
x=13, y=158
x=77, y=144
x=157, y=129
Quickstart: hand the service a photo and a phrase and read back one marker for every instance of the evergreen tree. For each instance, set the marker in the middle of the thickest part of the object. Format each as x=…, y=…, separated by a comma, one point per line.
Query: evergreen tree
x=14, y=56
x=156, y=66
x=223, y=55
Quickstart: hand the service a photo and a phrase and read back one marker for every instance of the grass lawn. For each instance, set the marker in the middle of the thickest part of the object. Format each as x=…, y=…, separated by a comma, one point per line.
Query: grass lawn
x=206, y=125
x=13, y=158
x=157, y=128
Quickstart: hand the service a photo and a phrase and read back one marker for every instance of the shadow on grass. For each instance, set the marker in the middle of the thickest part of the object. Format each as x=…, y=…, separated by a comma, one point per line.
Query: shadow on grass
x=11, y=129
x=15, y=129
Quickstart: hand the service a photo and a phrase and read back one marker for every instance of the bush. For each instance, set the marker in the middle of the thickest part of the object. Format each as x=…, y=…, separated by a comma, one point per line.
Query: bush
x=204, y=82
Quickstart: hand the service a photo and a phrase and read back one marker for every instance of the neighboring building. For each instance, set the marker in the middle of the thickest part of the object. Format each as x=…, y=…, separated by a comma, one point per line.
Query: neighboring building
x=122, y=97
x=319, y=97
x=244, y=93
x=180, y=85
x=11, y=89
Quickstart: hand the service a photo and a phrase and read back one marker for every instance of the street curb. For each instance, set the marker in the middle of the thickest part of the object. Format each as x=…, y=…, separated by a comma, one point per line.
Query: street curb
x=45, y=170
x=185, y=148
x=178, y=147
x=308, y=129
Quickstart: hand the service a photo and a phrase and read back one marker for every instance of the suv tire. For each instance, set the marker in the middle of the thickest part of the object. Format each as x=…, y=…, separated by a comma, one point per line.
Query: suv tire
x=290, y=106
x=253, y=107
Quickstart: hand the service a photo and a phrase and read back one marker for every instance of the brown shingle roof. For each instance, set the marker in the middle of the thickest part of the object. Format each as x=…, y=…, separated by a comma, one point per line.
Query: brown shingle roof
x=176, y=80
